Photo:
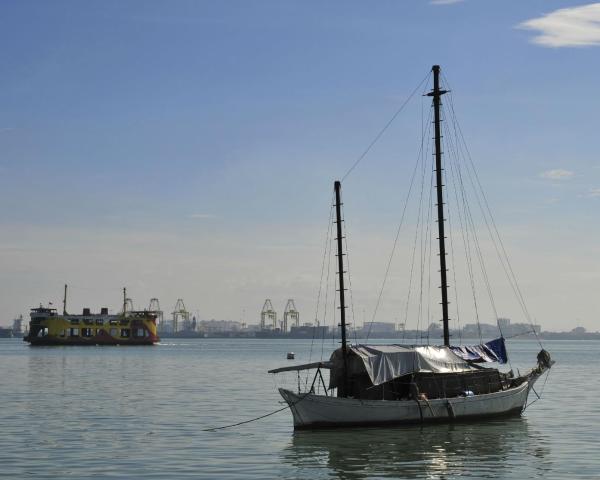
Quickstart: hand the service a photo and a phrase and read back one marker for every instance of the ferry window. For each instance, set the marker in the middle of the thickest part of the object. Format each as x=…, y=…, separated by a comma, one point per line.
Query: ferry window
x=74, y=332
x=113, y=332
x=43, y=332
x=74, y=321
x=62, y=333
x=124, y=333
x=139, y=332
x=99, y=321
x=87, y=332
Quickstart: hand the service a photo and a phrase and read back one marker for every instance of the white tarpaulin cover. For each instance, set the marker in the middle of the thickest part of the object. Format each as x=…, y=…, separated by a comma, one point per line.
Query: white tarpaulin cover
x=385, y=362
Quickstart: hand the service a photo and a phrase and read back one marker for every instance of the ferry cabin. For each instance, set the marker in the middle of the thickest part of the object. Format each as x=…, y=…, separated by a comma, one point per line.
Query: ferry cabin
x=134, y=328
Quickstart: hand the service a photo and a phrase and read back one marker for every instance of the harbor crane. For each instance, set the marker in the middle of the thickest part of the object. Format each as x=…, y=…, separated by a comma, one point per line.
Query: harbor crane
x=179, y=312
x=154, y=307
x=268, y=316
x=129, y=305
x=290, y=314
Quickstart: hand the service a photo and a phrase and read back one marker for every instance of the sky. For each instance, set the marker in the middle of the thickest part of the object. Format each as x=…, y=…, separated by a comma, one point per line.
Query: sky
x=187, y=149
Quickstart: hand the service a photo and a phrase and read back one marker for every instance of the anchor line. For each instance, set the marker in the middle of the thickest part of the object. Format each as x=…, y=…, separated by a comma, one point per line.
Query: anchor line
x=256, y=418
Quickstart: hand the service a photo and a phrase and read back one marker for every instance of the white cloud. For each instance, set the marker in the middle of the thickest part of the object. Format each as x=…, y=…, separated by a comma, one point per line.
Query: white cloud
x=593, y=192
x=202, y=216
x=444, y=2
x=557, y=174
x=567, y=27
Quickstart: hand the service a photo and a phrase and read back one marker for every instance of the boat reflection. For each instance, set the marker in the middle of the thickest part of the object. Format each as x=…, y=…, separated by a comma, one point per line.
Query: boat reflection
x=497, y=449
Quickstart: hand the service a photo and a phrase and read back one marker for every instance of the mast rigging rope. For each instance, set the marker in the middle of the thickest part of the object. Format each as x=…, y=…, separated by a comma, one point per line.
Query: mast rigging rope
x=387, y=125
x=402, y=217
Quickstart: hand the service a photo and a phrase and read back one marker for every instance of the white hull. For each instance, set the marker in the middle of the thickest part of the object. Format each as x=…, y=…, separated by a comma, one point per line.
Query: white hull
x=312, y=411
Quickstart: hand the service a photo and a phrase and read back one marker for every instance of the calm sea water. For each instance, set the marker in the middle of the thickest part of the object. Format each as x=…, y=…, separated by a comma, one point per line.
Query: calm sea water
x=140, y=412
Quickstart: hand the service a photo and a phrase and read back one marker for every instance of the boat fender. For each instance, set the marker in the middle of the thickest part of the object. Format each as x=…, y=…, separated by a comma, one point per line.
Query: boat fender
x=451, y=413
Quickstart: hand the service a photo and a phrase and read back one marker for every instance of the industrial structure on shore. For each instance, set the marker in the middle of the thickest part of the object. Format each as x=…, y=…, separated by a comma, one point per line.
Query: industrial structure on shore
x=183, y=325
x=15, y=331
x=268, y=317
x=289, y=326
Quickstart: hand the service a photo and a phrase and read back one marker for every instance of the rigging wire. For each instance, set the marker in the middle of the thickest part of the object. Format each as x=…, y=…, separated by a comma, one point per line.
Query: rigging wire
x=424, y=233
x=480, y=257
x=417, y=237
x=471, y=225
x=452, y=257
x=327, y=242
x=477, y=245
x=462, y=203
x=335, y=307
x=402, y=217
x=345, y=226
x=327, y=284
x=387, y=125
x=430, y=256
x=456, y=149
x=423, y=153
x=428, y=250
x=510, y=273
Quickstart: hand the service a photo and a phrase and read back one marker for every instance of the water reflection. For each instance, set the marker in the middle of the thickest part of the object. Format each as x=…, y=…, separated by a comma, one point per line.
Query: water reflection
x=501, y=449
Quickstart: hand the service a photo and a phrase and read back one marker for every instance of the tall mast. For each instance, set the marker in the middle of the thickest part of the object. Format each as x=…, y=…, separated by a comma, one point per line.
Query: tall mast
x=124, y=300
x=340, y=255
x=436, y=94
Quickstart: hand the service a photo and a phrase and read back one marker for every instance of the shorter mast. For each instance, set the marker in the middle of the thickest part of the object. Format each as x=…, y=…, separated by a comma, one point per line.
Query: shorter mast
x=65, y=301
x=340, y=255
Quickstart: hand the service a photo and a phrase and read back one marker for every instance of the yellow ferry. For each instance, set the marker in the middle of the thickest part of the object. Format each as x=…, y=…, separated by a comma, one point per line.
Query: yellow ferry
x=47, y=327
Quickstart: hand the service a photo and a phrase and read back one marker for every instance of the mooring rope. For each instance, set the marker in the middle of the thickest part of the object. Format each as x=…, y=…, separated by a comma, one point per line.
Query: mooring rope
x=539, y=396
x=256, y=418
x=246, y=421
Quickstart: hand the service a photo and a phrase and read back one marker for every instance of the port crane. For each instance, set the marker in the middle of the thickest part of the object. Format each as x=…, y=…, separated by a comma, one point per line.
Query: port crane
x=290, y=314
x=268, y=316
x=179, y=312
x=154, y=307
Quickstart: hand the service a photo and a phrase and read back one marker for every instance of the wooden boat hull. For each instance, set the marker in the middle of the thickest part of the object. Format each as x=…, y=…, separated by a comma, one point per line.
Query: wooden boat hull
x=315, y=411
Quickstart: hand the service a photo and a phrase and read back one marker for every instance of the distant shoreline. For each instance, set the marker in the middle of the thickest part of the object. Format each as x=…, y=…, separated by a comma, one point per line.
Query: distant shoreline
x=407, y=337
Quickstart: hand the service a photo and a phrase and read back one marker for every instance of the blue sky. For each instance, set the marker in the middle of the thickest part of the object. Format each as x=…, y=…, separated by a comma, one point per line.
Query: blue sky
x=187, y=148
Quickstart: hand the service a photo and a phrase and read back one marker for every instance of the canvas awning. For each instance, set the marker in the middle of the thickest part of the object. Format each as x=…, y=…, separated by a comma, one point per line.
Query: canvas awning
x=492, y=351
x=383, y=363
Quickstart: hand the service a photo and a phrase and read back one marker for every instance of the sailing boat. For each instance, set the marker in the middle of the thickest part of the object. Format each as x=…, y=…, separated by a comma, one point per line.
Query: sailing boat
x=399, y=384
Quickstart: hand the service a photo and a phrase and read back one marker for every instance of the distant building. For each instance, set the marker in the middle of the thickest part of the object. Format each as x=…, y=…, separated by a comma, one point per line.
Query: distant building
x=381, y=327
x=377, y=329
x=308, y=331
x=504, y=322
x=472, y=330
x=434, y=328
x=219, y=326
